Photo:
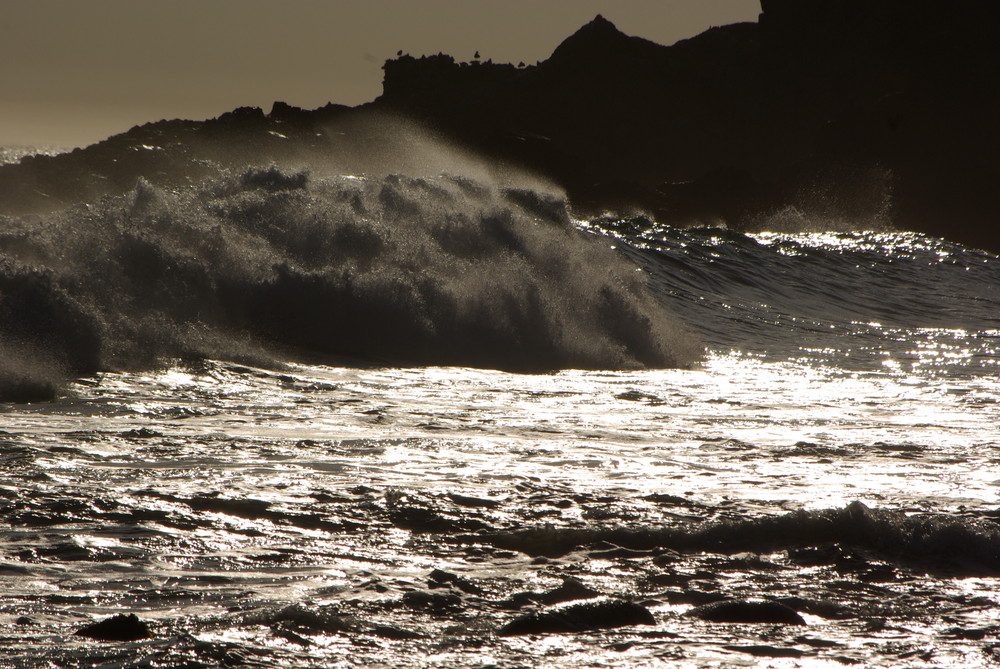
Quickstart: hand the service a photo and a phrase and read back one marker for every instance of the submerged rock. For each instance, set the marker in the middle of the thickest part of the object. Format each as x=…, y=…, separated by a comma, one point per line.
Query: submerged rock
x=422, y=599
x=582, y=617
x=440, y=578
x=570, y=589
x=117, y=628
x=747, y=611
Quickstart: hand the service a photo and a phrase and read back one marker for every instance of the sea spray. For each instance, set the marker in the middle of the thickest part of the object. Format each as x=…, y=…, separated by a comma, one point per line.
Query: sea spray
x=437, y=270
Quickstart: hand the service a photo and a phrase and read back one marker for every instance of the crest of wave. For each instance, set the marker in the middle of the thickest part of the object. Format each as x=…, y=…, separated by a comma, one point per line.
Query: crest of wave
x=402, y=270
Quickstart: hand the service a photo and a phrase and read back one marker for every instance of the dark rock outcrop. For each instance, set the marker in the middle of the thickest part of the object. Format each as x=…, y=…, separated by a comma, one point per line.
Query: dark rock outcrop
x=747, y=611
x=856, y=113
x=582, y=617
x=570, y=589
x=849, y=113
x=117, y=628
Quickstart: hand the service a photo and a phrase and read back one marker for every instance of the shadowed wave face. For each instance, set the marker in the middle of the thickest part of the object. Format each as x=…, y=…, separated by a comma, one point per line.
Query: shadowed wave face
x=441, y=271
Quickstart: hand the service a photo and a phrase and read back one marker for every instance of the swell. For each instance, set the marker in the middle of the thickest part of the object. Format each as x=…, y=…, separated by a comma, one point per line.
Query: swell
x=934, y=543
x=866, y=293
x=400, y=270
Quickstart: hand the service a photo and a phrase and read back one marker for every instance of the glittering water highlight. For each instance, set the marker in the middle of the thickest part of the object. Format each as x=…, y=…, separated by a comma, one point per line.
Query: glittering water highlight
x=834, y=451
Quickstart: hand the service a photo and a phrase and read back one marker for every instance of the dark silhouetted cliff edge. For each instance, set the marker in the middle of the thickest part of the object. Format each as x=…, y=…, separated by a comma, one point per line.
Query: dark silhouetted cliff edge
x=826, y=113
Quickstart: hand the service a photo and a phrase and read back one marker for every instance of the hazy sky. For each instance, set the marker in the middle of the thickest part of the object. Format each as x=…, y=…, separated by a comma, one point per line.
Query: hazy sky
x=73, y=72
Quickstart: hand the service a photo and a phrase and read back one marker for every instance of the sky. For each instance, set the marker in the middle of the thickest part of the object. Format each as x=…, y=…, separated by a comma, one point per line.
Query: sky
x=73, y=72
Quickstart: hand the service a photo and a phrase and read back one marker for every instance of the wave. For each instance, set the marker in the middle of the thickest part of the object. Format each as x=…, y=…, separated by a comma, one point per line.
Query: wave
x=866, y=295
x=934, y=543
x=489, y=270
x=260, y=264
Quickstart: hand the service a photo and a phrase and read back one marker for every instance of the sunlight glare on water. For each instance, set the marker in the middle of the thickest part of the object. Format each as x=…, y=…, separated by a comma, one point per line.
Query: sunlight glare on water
x=736, y=426
x=267, y=509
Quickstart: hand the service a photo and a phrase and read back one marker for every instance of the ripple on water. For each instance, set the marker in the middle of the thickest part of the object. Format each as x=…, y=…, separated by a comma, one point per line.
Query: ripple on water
x=209, y=515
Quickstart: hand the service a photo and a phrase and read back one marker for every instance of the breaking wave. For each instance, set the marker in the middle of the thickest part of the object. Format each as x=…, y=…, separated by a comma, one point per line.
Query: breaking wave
x=266, y=264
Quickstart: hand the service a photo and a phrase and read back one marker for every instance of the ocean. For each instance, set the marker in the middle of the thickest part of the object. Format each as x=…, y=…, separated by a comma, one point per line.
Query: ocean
x=306, y=419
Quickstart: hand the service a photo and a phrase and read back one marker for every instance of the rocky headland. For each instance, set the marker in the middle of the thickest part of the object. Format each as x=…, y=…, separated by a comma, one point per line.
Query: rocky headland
x=836, y=114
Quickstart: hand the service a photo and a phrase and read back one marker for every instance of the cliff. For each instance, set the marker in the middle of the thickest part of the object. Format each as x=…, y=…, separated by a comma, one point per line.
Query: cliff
x=870, y=113
x=849, y=113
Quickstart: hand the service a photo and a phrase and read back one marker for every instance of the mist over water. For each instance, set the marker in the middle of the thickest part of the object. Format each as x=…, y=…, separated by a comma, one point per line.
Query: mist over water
x=380, y=144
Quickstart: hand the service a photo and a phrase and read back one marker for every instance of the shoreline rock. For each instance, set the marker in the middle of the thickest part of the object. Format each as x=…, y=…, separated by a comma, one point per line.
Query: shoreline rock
x=580, y=617
x=121, y=627
x=747, y=611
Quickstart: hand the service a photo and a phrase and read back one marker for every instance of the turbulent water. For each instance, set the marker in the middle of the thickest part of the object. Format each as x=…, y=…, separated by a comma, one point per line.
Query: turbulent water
x=298, y=420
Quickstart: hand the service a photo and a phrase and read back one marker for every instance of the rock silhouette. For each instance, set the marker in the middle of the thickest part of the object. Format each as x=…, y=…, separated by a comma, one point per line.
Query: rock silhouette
x=580, y=617
x=845, y=114
x=747, y=611
x=116, y=628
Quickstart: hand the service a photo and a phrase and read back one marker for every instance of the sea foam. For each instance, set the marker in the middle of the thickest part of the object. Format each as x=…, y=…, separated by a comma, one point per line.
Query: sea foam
x=252, y=265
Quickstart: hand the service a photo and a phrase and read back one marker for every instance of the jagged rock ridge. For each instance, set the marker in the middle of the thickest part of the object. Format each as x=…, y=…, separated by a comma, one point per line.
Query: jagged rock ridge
x=854, y=113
